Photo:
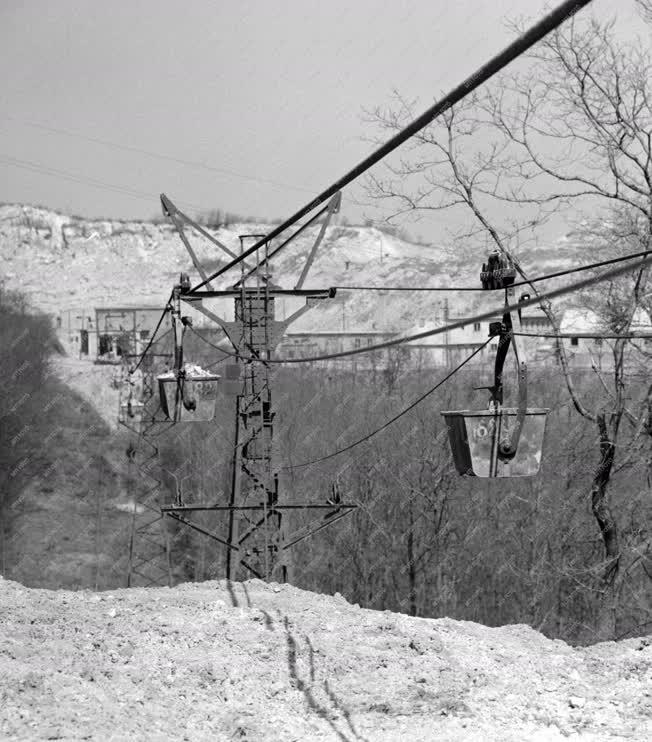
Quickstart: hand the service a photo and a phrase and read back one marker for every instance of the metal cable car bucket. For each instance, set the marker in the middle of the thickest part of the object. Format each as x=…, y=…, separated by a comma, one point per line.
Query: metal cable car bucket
x=476, y=436
x=191, y=399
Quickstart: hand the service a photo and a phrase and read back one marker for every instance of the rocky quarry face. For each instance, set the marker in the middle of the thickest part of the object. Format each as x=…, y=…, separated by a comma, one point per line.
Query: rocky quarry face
x=67, y=264
x=63, y=262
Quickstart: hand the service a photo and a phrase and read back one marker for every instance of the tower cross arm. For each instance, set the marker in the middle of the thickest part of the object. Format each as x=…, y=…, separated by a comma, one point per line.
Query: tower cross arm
x=178, y=218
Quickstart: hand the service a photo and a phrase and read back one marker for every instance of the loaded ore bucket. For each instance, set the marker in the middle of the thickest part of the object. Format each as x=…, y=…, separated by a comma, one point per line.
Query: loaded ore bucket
x=188, y=395
x=481, y=441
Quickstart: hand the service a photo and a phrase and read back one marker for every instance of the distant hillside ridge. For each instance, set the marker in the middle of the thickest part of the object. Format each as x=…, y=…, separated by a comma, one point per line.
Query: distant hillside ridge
x=70, y=264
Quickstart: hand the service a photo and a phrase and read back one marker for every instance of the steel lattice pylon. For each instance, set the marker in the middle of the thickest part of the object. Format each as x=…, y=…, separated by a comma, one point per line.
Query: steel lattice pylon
x=254, y=475
x=257, y=538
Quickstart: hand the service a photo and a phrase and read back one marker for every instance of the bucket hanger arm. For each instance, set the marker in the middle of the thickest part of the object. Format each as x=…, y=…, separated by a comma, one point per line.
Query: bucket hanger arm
x=505, y=339
x=507, y=448
x=179, y=325
x=499, y=273
x=179, y=332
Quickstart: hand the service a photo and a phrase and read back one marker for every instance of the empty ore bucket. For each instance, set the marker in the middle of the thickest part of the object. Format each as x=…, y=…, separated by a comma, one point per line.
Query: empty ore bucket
x=198, y=392
x=474, y=437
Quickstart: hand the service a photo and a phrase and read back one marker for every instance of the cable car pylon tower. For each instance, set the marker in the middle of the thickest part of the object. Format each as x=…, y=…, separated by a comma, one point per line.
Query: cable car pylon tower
x=257, y=539
x=148, y=560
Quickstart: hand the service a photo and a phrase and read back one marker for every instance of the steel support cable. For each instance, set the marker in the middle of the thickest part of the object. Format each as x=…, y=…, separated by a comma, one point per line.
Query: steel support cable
x=536, y=279
x=490, y=314
x=520, y=45
x=208, y=342
x=151, y=340
x=410, y=407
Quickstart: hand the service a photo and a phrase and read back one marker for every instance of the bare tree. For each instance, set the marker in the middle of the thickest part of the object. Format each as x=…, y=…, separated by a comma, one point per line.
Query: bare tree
x=645, y=9
x=571, y=130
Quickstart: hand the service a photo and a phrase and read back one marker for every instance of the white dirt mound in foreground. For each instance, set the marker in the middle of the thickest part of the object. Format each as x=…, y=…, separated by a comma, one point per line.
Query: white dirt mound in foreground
x=254, y=661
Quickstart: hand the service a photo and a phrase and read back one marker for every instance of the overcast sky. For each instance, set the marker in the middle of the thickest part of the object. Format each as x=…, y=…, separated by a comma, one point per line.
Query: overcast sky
x=104, y=105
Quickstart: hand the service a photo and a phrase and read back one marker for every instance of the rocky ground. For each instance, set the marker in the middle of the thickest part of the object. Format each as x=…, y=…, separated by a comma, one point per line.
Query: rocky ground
x=252, y=661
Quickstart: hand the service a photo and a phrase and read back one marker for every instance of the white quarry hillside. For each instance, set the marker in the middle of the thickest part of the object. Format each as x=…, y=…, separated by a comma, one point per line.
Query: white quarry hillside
x=67, y=263
x=264, y=662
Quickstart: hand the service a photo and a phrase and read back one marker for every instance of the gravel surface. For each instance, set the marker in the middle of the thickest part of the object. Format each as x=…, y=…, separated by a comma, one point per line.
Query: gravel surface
x=257, y=661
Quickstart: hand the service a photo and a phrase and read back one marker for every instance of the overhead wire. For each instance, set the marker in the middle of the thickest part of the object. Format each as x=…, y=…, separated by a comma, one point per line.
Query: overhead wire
x=396, y=417
x=409, y=288
x=151, y=340
x=516, y=284
x=43, y=169
x=156, y=155
x=83, y=180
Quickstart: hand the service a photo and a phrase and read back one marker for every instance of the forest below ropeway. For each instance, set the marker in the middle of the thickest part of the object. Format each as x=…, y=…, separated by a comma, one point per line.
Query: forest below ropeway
x=422, y=541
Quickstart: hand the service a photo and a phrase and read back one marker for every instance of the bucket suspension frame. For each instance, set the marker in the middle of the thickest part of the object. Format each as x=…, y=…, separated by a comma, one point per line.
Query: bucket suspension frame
x=499, y=441
x=180, y=324
x=499, y=272
x=183, y=394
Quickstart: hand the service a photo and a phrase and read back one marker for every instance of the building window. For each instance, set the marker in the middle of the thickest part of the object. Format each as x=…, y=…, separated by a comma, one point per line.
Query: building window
x=476, y=327
x=356, y=343
x=575, y=341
